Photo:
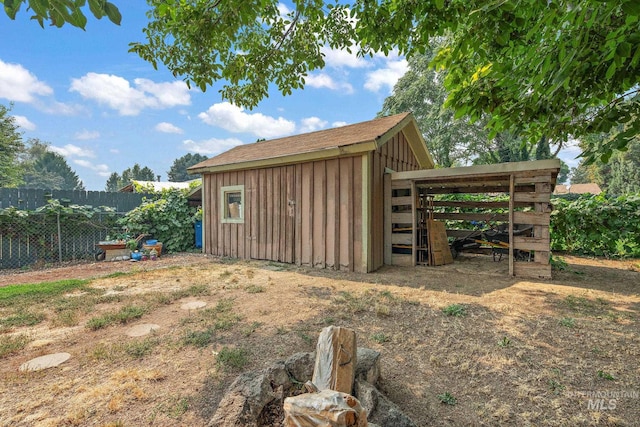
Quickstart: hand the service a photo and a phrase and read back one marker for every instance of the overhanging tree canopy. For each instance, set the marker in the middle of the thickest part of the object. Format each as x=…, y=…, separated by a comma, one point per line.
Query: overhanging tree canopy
x=553, y=68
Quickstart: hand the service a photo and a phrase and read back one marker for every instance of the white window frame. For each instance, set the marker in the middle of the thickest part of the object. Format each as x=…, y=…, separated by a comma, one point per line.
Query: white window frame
x=224, y=208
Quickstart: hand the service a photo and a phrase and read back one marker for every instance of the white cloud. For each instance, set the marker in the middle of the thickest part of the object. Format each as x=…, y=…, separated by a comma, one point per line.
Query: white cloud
x=569, y=152
x=19, y=84
x=86, y=135
x=335, y=58
x=71, y=150
x=339, y=124
x=118, y=94
x=387, y=76
x=100, y=169
x=114, y=151
x=234, y=119
x=324, y=80
x=283, y=9
x=24, y=123
x=211, y=146
x=168, y=128
x=59, y=108
x=311, y=124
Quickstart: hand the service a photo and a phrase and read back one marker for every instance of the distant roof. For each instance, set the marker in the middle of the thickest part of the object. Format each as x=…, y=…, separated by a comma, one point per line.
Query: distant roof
x=590, y=188
x=344, y=140
x=156, y=185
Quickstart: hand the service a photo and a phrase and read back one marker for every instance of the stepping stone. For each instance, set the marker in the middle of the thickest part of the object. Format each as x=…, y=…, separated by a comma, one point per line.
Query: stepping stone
x=140, y=330
x=45, y=362
x=193, y=305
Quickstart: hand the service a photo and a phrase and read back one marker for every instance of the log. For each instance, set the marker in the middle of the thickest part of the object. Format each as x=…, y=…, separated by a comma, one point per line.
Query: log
x=335, y=365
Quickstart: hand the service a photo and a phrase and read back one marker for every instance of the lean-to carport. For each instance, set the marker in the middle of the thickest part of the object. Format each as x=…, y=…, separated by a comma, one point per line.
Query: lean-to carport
x=409, y=204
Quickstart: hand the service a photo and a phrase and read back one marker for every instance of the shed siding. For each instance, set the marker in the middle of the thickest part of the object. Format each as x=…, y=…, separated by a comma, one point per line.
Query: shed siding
x=308, y=214
x=397, y=155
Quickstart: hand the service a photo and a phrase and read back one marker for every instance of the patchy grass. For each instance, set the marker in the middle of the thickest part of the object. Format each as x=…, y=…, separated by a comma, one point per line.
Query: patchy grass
x=123, y=316
x=233, y=358
x=10, y=344
x=22, y=318
x=16, y=294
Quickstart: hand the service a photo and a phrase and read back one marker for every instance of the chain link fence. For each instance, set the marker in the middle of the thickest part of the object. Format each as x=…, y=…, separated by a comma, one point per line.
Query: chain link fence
x=33, y=240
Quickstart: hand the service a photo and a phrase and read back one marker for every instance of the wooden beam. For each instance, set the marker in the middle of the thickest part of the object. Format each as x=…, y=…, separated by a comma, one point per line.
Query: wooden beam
x=500, y=169
x=401, y=239
x=531, y=218
x=398, y=201
x=531, y=243
x=477, y=190
x=532, y=269
x=471, y=216
x=478, y=204
x=400, y=185
x=532, y=197
x=402, y=218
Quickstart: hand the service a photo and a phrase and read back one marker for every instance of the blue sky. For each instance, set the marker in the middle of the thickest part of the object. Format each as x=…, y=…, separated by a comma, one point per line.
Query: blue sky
x=105, y=109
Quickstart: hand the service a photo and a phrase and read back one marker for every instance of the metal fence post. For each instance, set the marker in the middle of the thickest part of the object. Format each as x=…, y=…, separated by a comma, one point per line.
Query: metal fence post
x=59, y=241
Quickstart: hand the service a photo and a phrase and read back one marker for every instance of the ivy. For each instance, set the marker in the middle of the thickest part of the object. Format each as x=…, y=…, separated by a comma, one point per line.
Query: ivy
x=168, y=217
x=597, y=225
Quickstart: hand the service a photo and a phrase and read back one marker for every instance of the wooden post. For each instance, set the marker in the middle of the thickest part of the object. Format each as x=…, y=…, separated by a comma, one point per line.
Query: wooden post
x=387, y=219
x=414, y=225
x=512, y=186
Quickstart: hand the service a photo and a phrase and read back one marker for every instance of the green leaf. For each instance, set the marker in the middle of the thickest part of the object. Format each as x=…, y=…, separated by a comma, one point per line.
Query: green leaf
x=611, y=70
x=112, y=13
x=631, y=7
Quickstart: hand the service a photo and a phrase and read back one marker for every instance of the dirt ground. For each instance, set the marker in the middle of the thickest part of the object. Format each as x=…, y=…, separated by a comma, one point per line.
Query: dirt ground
x=461, y=344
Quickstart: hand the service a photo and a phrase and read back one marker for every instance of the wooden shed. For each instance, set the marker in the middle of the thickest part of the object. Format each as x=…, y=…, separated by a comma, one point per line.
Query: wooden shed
x=314, y=199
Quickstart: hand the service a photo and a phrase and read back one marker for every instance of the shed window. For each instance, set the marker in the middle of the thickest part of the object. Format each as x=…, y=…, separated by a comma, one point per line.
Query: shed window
x=232, y=203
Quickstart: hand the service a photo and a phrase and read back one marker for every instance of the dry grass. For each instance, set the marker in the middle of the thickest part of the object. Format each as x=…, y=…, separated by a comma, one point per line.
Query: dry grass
x=521, y=352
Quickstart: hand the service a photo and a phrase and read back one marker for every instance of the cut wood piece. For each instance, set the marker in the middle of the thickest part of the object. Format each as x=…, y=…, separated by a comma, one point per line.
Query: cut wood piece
x=327, y=408
x=440, y=253
x=335, y=365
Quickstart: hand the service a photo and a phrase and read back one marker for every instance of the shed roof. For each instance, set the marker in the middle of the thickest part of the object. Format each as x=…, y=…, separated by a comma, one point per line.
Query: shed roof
x=345, y=140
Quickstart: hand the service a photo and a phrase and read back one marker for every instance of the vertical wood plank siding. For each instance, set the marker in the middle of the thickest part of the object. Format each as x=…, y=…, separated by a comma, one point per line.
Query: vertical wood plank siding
x=308, y=214
x=397, y=155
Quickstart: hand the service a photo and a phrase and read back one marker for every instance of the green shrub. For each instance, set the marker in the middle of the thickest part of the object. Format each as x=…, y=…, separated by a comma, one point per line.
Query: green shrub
x=169, y=218
x=597, y=225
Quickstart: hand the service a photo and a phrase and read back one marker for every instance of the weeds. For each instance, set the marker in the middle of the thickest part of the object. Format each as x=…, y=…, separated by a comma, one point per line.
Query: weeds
x=234, y=358
x=455, y=310
x=251, y=329
x=568, y=322
x=22, y=318
x=447, y=398
x=504, y=342
x=123, y=316
x=199, y=339
x=555, y=387
x=380, y=338
x=254, y=289
x=139, y=349
x=606, y=376
x=12, y=344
